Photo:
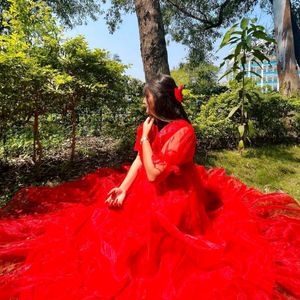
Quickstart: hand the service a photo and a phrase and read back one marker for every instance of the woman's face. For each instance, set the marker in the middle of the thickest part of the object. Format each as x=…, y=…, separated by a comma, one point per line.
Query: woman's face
x=148, y=102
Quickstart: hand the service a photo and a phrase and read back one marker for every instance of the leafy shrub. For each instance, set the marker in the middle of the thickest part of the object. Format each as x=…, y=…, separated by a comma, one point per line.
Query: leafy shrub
x=214, y=129
x=275, y=118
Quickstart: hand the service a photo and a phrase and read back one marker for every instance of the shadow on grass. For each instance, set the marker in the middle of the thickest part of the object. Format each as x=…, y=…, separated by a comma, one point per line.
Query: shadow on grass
x=209, y=160
x=57, y=168
x=280, y=152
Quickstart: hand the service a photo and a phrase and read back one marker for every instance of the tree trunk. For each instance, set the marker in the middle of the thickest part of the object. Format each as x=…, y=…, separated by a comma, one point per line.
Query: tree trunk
x=74, y=126
x=296, y=34
x=286, y=62
x=152, y=38
x=3, y=134
x=101, y=120
x=37, y=146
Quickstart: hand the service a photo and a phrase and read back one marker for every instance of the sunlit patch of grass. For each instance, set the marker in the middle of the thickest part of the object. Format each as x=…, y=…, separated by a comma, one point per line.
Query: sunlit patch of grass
x=268, y=168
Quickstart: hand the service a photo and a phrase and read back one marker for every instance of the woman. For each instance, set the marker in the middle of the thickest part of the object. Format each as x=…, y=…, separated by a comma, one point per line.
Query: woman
x=168, y=229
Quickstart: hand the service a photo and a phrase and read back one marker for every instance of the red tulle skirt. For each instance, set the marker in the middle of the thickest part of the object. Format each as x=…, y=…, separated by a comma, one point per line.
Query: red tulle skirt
x=197, y=235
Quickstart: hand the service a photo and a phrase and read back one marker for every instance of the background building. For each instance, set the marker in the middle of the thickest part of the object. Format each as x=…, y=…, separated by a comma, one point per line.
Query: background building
x=268, y=73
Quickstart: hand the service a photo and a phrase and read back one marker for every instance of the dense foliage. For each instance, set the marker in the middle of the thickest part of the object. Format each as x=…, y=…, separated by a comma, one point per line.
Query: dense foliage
x=273, y=118
x=47, y=82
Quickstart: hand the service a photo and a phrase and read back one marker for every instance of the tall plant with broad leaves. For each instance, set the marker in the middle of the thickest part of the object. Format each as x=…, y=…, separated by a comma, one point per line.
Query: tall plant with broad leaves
x=244, y=40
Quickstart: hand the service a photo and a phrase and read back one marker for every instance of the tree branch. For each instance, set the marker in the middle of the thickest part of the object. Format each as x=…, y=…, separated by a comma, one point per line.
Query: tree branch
x=209, y=23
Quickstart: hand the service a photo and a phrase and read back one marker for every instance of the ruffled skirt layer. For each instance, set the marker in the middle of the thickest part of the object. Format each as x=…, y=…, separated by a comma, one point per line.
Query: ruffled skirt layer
x=202, y=235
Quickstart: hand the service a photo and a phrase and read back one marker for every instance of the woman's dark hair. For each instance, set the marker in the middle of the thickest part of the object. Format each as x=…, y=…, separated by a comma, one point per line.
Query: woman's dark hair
x=166, y=107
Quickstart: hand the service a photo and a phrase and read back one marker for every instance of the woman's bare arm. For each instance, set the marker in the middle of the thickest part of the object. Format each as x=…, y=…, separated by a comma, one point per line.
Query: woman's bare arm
x=117, y=195
x=152, y=170
x=131, y=174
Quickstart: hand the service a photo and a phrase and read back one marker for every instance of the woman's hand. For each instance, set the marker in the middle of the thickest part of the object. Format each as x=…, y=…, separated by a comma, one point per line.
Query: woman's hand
x=147, y=126
x=116, y=197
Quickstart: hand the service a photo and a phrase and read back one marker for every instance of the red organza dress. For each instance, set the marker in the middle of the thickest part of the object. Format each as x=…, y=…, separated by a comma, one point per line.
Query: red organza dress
x=190, y=234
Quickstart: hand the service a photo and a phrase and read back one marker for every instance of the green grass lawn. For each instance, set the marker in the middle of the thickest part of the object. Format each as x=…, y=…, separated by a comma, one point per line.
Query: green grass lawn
x=269, y=168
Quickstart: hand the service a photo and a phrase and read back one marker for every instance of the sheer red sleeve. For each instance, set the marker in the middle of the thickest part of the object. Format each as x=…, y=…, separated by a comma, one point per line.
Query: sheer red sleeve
x=176, y=151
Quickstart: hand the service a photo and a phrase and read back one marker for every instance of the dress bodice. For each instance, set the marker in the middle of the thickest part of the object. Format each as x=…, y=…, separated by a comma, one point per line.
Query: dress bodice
x=173, y=146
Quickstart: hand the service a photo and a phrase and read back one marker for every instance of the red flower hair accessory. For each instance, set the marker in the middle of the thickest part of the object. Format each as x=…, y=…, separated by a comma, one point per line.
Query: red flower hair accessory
x=178, y=93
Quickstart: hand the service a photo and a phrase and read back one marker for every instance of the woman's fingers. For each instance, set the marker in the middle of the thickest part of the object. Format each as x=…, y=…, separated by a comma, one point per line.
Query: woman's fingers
x=117, y=202
x=115, y=198
x=150, y=120
x=111, y=191
x=108, y=200
x=113, y=202
x=120, y=201
x=147, y=125
x=112, y=194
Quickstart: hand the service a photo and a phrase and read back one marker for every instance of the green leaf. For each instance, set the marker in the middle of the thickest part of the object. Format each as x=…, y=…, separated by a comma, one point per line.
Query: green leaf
x=249, y=98
x=256, y=94
x=233, y=40
x=248, y=41
x=222, y=64
x=251, y=129
x=259, y=64
x=227, y=37
x=243, y=60
x=237, y=32
x=236, y=63
x=250, y=30
x=240, y=75
x=233, y=111
x=228, y=57
x=244, y=23
x=237, y=50
x=241, y=129
x=255, y=73
x=258, y=54
x=260, y=35
x=241, y=145
x=225, y=74
x=264, y=37
x=259, y=27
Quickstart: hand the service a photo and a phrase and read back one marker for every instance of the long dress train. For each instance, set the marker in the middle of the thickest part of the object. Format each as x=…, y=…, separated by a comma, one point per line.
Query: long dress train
x=191, y=234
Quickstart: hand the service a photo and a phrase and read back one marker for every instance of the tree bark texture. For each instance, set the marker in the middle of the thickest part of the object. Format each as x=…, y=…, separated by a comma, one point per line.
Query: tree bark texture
x=37, y=146
x=74, y=127
x=296, y=34
x=286, y=62
x=152, y=38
